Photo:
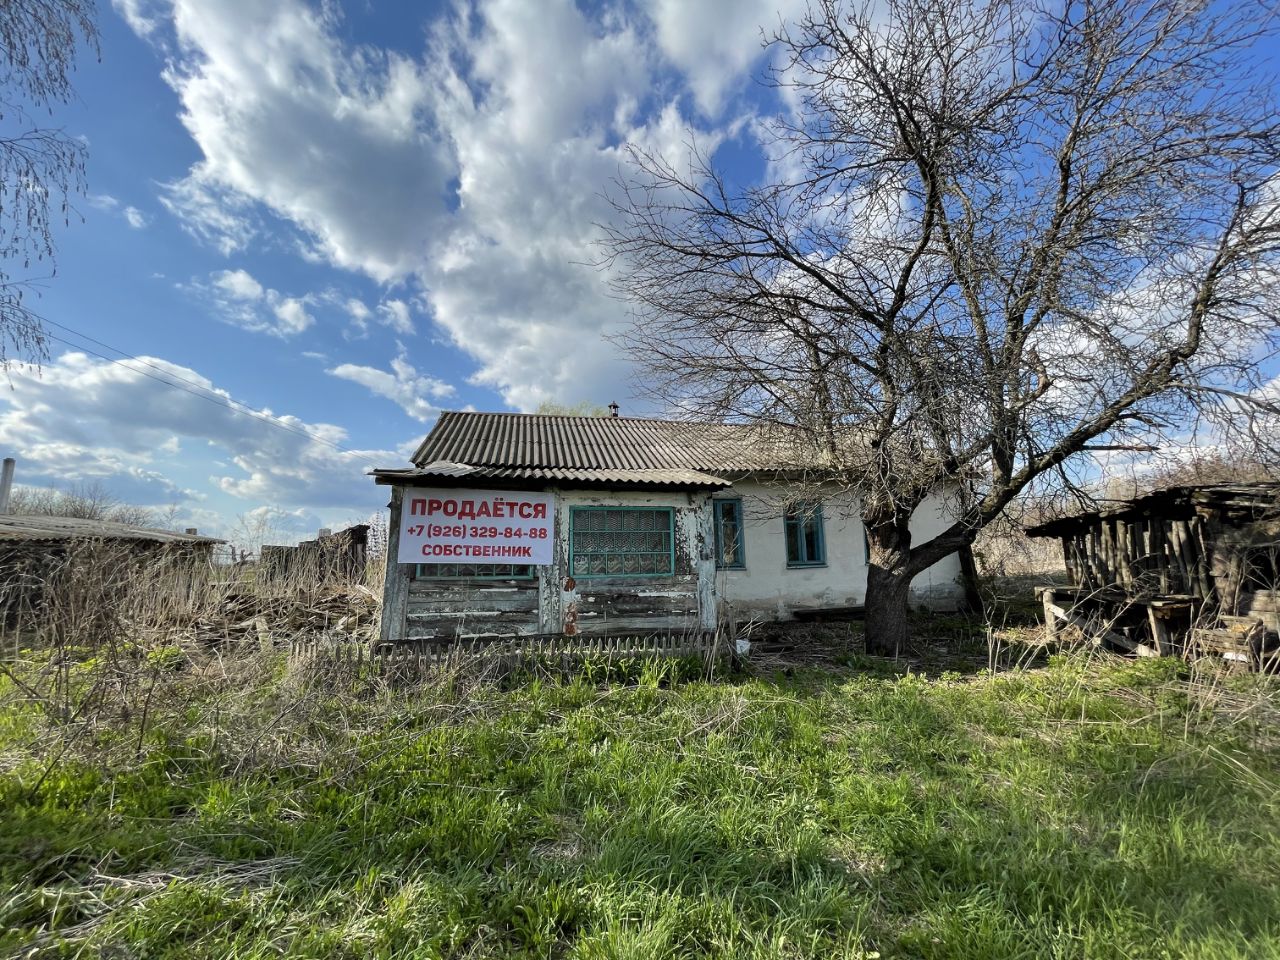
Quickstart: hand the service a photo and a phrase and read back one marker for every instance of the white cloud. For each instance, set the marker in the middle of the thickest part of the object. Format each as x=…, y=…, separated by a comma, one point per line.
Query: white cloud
x=715, y=42
x=132, y=215
x=395, y=314
x=240, y=299
x=359, y=314
x=292, y=315
x=473, y=176
x=238, y=284
x=330, y=137
x=140, y=16
x=83, y=418
x=412, y=391
x=213, y=215
x=135, y=217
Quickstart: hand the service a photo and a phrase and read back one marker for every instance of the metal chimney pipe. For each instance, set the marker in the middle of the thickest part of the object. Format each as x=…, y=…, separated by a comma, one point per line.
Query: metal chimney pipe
x=6, y=483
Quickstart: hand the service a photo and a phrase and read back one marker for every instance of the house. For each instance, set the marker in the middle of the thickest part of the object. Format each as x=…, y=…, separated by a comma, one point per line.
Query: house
x=1186, y=569
x=527, y=524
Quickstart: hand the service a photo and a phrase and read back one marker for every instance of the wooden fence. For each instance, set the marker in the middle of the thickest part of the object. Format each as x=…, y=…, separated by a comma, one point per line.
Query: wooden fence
x=553, y=650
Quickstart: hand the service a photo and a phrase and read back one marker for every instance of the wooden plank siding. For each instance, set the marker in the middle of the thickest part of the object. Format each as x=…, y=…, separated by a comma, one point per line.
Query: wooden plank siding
x=471, y=608
x=660, y=603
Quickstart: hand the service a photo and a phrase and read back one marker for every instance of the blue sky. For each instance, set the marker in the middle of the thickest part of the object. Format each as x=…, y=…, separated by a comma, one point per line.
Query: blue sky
x=350, y=217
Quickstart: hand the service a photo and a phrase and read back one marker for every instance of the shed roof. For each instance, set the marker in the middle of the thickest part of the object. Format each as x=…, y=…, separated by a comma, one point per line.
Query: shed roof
x=34, y=527
x=1238, y=501
x=525, y=448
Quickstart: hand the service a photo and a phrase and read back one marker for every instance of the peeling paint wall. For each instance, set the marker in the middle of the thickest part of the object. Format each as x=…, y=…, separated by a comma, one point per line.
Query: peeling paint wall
x=683, y=601
x=467, y=608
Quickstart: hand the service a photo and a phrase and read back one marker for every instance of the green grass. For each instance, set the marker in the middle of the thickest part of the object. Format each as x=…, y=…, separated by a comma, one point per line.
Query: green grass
x=1061, y=812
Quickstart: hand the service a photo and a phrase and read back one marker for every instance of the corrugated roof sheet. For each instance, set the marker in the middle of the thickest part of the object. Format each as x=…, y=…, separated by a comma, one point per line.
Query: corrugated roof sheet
x=513, y=440
x=434, y=472
x=25, y=527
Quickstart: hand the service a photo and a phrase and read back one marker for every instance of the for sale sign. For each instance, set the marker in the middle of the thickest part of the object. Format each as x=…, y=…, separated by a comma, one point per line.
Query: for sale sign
x=476, y=526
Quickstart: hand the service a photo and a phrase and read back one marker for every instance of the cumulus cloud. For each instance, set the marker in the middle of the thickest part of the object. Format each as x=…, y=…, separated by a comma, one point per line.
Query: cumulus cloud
x=238, y=297
x=238, y=284
x=135, y=217
x=473, y=174
x=714, y=42
x=332, y=138
x=402, y=384
x=81, y=418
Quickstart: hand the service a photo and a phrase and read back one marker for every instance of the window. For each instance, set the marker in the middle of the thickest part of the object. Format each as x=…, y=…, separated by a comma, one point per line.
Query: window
x=478, y=571
x=730, y=554
x=805, y=547
x=621, y=541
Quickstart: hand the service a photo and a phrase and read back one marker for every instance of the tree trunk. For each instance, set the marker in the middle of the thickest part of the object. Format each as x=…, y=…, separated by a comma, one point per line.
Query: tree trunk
x=888, y=585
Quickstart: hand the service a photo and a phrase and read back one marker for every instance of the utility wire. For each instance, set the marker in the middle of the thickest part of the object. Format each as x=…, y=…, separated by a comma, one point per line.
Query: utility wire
x=233, y=405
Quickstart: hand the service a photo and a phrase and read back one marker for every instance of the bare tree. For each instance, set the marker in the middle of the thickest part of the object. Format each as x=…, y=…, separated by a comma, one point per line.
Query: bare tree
x=41, y=168
x=583, y=408
x=84, y=501
x=992, y=238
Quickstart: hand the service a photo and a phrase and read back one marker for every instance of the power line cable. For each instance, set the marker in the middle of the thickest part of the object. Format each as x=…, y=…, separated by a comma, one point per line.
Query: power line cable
x=233, y=405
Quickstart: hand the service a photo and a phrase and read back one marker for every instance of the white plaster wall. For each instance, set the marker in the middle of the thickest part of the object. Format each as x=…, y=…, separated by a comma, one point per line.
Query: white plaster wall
x=768, y=587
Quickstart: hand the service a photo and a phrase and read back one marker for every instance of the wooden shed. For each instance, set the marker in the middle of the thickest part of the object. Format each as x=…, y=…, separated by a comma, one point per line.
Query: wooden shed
x=1183, y=570
x=41, y=555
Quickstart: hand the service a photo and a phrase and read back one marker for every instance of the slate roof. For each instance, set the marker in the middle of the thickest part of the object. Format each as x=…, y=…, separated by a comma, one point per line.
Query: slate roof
x=616, y=450
x=31, y=527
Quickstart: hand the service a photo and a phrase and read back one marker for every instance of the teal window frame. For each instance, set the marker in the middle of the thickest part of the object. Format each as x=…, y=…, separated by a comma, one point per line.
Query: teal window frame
x=670, y=553
x=741, y=563
x=794, y=520
x=420, y=571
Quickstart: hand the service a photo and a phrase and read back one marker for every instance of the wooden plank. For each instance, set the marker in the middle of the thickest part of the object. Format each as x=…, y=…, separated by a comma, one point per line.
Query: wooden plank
x=456, y=590
x=1159, y=632
x=395, y=589
x=479, y=605
x=1051, y=611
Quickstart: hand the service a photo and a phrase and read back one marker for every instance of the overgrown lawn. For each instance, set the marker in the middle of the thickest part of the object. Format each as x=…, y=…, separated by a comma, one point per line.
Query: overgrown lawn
x=1089, y=809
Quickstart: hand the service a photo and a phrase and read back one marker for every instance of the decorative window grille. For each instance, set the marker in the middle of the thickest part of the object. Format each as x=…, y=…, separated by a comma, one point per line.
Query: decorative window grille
x=730, y=553
x=621, y=541
x=805, y=542
x=473, y=571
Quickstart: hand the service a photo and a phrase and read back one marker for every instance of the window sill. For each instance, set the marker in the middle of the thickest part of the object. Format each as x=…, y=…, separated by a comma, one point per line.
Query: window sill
x=805, y=566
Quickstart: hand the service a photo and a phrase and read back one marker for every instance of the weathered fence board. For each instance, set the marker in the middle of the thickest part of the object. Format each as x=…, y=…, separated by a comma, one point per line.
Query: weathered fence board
x=421, y=654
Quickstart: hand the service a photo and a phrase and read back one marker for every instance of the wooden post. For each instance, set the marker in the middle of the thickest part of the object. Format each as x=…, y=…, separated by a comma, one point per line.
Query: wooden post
x=1050, y=615
x=395, y=588
x=1159, y=632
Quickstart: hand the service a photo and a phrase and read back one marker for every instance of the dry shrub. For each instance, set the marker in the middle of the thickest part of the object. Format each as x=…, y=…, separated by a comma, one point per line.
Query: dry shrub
x=113, y=644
